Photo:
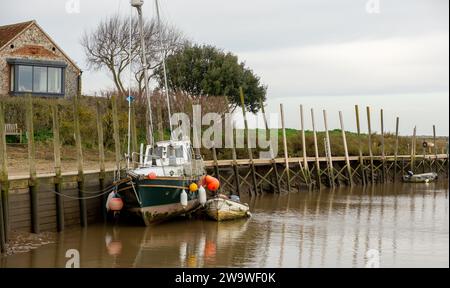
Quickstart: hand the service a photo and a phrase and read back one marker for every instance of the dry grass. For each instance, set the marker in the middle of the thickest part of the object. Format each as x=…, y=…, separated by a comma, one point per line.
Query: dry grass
x=18, y=159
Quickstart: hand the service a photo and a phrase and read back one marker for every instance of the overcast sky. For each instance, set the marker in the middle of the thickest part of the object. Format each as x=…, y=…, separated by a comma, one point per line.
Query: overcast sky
x=324, y=54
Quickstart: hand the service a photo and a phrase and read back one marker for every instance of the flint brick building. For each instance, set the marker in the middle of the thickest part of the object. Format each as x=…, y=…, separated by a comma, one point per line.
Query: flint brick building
x=31, y=62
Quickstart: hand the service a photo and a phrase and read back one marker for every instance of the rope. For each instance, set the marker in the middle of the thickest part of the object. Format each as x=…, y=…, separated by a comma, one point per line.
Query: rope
x=125, y=180
x=107, y=190
x=81, y=198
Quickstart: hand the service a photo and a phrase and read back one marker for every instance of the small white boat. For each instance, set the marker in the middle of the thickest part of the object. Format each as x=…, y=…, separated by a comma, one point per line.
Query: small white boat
x=420, y=178
x=222, y=208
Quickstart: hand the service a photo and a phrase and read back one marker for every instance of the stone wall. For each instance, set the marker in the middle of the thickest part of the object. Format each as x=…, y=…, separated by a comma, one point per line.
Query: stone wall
x=33, y=44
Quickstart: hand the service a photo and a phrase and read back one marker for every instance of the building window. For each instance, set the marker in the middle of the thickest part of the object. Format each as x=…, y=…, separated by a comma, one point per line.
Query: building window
x=37, y=77
x=25, y=81
x=54, y=80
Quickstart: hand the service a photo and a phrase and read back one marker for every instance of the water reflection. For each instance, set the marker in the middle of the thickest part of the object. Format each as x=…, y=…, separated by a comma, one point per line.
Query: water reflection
x=407, y=224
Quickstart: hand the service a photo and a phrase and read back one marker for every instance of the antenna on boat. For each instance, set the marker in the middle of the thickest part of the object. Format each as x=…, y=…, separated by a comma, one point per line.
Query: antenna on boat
x=138, y=5
x=166, y=86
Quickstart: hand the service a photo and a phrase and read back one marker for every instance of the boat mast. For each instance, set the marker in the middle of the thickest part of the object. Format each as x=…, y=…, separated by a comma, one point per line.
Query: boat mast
x=138, y=5
x=129, y=98
x=166, y=86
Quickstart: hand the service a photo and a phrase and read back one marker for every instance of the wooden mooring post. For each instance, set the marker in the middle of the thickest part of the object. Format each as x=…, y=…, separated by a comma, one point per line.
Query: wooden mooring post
x=4, y=183
x=254, y=191
x=397, y=126
x=413, y=150
x=80, y=177
x=32, y=182
x=101, y=158
x=383, y=149
x=286, y=154
x=304, y=153
x=58, y=179
x=316, y=152
x=272, y=156
x=2, y=230
x=436, y=167
x=347, y=158
x=361, y=158
x=329, y=155
x=369, y=128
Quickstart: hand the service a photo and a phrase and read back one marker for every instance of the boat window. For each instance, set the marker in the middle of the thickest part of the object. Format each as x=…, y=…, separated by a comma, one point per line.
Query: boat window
x=179, y=152
x=159, y=152
x=170, y=151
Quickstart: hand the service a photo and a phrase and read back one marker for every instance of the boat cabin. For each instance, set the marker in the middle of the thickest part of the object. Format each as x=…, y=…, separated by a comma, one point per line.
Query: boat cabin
x=168, y=153
x=167, y=159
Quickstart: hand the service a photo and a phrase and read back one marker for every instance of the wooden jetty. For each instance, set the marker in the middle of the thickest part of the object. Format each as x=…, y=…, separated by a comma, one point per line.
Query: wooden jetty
x=54, y=201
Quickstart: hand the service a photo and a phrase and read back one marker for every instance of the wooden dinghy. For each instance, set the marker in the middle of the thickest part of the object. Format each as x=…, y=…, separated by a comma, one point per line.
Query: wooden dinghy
x=222, y=208
x=420, y=178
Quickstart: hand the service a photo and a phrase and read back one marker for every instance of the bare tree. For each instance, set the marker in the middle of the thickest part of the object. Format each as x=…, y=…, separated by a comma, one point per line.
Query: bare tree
x=108, y=46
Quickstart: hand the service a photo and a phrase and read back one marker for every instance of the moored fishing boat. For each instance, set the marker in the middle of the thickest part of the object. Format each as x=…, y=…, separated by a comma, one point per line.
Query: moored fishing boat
x=166, y=181
x=164, y=186
x=420, y=178
x=222, y=208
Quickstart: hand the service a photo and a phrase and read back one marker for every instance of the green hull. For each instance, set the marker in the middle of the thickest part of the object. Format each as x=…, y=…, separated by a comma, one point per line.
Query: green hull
x=158, y=199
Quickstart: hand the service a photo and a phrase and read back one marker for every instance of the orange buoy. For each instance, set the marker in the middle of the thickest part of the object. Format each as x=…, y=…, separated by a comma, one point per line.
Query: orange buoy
x=209, y=179
x=115, y=204
x=213, y=184
x=152, y=175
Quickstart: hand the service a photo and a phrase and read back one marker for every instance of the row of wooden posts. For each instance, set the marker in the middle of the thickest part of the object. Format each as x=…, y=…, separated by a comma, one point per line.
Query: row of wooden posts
x=278, y=173
x=33, y=179
x=362, y=169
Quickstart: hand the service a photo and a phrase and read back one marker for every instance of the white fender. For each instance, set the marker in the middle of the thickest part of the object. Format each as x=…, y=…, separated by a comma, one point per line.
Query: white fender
x=202, y=195
x=184, y=199
x=110, y=196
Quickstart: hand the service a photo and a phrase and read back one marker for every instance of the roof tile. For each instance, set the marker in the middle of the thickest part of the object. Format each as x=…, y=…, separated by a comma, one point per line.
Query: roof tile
x=8, y=32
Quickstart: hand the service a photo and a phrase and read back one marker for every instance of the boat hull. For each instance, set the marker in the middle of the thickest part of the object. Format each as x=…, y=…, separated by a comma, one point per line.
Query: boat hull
x=156, y=214
x=420, y=178
x=158, y=200
x=221, y=209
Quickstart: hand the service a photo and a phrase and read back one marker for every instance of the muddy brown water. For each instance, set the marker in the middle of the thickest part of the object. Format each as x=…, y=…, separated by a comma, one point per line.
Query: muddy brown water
x=400, y=225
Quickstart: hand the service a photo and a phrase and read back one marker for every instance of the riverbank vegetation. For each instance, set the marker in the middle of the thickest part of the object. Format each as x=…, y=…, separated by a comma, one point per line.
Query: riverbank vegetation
x=18, y=157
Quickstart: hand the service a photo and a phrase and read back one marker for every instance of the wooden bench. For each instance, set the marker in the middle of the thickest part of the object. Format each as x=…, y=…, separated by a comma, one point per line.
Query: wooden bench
x=13, y=129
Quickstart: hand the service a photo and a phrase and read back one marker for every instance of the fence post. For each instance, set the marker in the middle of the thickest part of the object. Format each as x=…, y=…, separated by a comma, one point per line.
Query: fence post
x=58, y=178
